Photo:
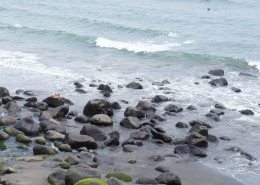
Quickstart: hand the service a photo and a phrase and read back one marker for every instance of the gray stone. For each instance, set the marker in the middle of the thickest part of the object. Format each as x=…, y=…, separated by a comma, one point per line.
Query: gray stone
x=159, y=99
x=181, y=125
x=130, y=122
x=77, y=141
x=28, y=126
x=101, y=119
x=80, y=172
x=54, y=101
x=199, y=129
x=113, y=181
x=189, y=149
x=4, y=92
x=145, y=106
x=12, y=107
x=161, y=136
x=139, y=135
x=73, y=160
x=98, y=106
x=247, y=112
x=134, y=112
x=57, y=177
x=43, y=150
x=134, y=85
x=82, y=119
x=217, y=72
x=218, y=82
x=60, y=111
x=49, y=125
x=173, y=108
x=162, y=169
x=8, y=121
x=197, y=139
x=94, y=132
x=168, y=178
x=54, y=136
x=145, y=180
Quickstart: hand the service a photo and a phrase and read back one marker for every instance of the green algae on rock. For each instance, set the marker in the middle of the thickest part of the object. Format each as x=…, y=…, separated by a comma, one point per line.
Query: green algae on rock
x=90, y=181
x=120, y=176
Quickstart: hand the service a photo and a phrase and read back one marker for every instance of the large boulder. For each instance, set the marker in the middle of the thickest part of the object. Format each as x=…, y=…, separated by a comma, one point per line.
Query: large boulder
x=28, y=126
x=47, y=125
x=168, y=178
x=130, y=122
x=4, y=92
x=80, y=172
x=98, y=106
x=43, y=150
x=217, y=72
x=134, y=85
x=132, y=111
x=94, y=132
x=54, y=101
x=77, y=141
x=101, y=119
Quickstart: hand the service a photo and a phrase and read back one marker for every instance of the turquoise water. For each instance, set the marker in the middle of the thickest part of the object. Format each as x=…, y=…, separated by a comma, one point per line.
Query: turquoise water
x=46, y=45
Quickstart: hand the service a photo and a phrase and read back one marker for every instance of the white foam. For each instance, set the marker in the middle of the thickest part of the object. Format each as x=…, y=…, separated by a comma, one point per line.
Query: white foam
x=254, y=64
x=135, y=47
x=18, y=26
x=30, y=62
x=172, y=34
x=188, y=42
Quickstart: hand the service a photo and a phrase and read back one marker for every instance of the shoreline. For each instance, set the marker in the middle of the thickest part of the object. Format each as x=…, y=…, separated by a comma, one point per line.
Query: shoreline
x=190, y=173
x=51, y=119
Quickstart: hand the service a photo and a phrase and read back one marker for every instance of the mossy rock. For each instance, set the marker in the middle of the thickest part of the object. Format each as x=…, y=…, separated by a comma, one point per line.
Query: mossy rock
x=40, y=140
x=92, y=181
x=2, y=146
x=120, y=176
x=65, y=148
x=12, y=131
x=64, y=165
x=57, y=144
x=24, y=147
x=3, y=136
x=23, y=139
x=2, y=165
x=10, y=170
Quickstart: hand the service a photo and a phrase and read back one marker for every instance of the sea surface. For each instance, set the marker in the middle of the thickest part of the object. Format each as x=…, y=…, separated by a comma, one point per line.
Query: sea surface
x=47, y=45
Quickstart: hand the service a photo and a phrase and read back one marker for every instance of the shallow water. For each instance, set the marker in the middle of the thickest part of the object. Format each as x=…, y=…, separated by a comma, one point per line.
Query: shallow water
x=45, y=46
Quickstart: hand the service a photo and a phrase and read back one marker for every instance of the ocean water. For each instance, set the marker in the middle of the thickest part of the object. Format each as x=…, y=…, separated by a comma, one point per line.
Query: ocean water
x=47, y=45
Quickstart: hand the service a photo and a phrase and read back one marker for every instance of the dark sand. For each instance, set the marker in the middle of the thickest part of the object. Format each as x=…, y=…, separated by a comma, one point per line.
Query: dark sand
x=190, y=173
